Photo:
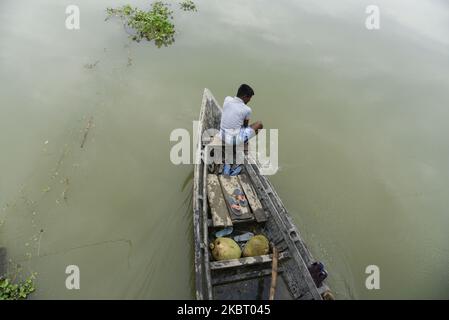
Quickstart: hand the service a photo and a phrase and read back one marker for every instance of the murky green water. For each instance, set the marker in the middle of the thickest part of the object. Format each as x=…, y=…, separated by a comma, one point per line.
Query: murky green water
x=362, y=115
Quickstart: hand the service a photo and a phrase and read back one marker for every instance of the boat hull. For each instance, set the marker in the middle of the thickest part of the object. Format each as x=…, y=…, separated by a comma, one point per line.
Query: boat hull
x=242, y=279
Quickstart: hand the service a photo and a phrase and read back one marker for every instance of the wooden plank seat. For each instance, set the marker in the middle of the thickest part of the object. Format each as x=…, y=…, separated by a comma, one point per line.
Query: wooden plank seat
x=244, y=276
x=253, y=200
x=224, y=264
x=221, y=187
x=219, y=210
x=228, y=185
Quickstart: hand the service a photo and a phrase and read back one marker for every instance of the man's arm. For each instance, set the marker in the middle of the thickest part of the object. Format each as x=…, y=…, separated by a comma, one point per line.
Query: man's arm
x=246, y=120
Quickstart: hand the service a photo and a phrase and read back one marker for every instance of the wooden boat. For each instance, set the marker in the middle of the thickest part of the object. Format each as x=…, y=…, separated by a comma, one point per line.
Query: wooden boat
x=249, y=278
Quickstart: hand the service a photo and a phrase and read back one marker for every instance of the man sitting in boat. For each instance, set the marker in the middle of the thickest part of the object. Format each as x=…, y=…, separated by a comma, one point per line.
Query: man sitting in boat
x=234, y=127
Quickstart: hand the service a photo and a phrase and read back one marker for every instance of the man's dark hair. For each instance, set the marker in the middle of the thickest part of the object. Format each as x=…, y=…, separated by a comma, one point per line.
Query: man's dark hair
x=245, y=91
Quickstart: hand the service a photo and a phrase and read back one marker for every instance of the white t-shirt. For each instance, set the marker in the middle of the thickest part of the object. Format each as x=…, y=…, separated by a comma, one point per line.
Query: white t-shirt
x=235, y=111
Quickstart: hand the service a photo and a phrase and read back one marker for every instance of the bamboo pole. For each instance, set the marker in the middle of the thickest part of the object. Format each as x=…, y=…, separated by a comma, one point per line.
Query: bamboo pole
x=274, y=273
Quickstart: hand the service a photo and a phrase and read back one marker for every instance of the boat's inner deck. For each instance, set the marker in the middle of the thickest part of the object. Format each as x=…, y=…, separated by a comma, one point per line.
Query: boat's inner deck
x=220, y=188
x=249, y=277
x=244, y=278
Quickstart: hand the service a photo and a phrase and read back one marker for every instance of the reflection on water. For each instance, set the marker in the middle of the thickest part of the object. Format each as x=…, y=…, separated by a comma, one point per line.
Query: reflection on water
x=86, y=115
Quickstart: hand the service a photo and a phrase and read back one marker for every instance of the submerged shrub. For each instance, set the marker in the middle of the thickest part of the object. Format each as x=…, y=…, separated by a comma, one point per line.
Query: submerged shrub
x=10, y=290
x=188, y=5
x=155, y=24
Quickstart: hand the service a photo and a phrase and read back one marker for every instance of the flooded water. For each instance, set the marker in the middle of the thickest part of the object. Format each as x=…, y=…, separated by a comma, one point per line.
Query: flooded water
x=362, y=118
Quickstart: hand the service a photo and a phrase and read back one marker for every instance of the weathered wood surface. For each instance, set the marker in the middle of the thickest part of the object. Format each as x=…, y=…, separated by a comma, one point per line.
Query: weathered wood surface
x=228, y=185
x=215, y=265
x=210, y=115
x=220, y=215
x=274, y=273
x=253, y=200
x=223, y=279
x=205, y=236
